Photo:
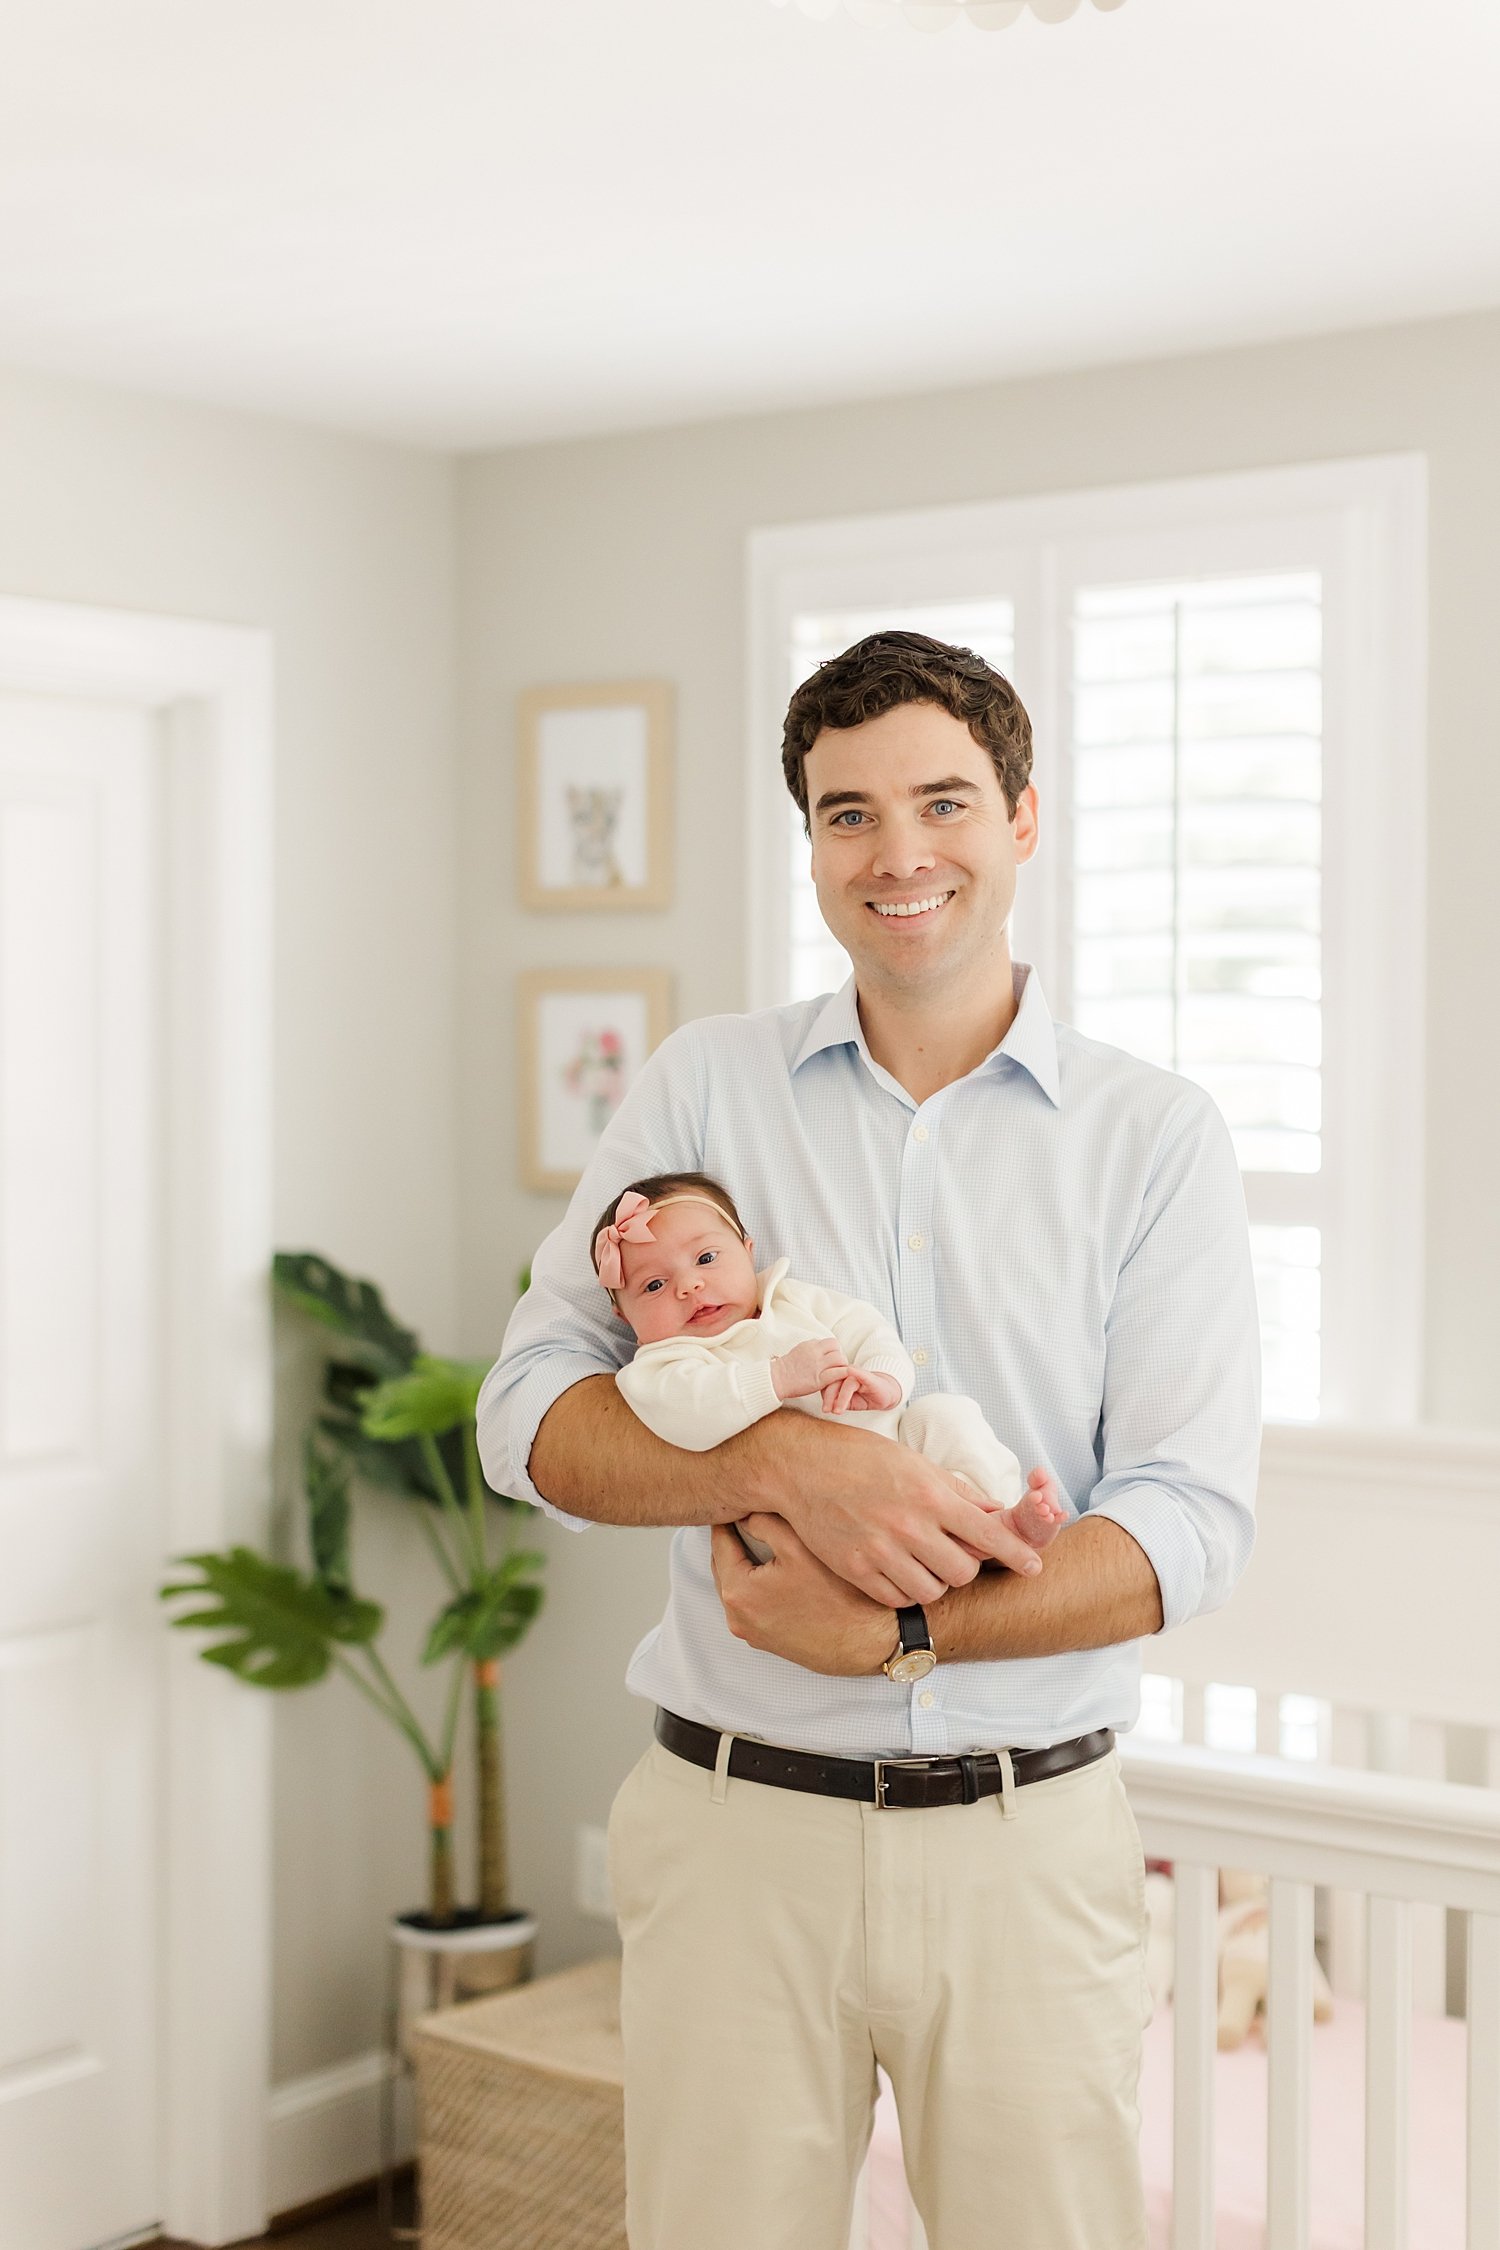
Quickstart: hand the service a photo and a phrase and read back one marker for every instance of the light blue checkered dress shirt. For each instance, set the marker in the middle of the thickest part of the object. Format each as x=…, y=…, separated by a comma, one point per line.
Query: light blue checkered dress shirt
x=1060, y=1235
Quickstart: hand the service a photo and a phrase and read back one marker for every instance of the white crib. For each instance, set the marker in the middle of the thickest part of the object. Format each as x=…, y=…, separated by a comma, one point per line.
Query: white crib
x=1365, y=1638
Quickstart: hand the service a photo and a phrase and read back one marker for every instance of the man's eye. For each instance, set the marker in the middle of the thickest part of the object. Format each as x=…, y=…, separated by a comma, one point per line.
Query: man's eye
x=707, y=1257
x=839, y=819
x=947, y=804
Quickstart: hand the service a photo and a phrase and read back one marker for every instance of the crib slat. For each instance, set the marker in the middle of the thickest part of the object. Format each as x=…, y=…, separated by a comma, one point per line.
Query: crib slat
x=1350, y=1745
x=1484, y=2082
x=1195, y=2027
x=1387, y=2071
x=1289, y=2028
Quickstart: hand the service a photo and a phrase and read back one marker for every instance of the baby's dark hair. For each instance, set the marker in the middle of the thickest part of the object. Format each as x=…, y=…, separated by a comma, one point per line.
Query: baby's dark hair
x=667, y=1183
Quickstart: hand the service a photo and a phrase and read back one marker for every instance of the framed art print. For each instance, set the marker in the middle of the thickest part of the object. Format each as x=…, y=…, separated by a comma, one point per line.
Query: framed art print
x=595, y=796
x=584, y=1034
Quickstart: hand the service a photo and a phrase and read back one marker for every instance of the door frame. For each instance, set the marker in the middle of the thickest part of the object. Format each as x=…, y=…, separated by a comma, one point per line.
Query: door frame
x=208, y=687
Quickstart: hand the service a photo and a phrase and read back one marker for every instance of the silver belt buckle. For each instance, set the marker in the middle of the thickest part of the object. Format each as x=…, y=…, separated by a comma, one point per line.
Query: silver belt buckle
x=920, y=1765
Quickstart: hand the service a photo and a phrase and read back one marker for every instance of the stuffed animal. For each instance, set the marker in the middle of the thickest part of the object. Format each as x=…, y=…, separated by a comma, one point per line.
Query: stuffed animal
x=1244, y=1950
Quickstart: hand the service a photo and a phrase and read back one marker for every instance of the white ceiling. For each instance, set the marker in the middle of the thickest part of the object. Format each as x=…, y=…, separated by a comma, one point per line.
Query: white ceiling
x=477, y=221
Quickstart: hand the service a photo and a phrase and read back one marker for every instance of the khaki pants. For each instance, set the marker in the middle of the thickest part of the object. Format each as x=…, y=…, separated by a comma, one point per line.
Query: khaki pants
x=779, y=1946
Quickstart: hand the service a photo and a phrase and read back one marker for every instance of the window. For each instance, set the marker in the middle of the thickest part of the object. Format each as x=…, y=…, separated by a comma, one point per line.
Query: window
x=1225, y=680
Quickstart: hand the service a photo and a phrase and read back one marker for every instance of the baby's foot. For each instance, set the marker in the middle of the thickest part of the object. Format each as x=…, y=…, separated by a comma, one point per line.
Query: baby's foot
x=1038, y=1516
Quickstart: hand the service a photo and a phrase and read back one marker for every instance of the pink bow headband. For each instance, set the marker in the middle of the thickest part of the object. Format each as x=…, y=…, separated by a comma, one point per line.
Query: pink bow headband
x=632, y=1223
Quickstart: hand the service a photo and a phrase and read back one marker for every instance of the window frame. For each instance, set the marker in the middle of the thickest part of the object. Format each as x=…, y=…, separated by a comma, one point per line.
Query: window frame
x=1362, y=525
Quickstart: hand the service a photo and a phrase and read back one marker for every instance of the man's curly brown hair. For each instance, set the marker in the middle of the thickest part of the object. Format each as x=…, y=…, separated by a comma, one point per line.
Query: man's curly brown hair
x=886, y=669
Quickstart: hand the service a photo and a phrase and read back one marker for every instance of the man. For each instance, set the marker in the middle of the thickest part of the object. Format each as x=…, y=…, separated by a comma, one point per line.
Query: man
x=1057, y=1231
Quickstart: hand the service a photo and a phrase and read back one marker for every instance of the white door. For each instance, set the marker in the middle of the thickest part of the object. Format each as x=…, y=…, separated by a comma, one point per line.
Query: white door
x=81, y=1633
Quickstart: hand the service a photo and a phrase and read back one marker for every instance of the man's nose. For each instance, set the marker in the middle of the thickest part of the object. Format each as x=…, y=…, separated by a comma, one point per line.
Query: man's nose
x=903, y=851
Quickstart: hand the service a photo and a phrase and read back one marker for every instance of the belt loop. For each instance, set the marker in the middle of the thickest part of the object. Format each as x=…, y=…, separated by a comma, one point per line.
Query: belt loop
x=721, y=1768
x=1007, y=1786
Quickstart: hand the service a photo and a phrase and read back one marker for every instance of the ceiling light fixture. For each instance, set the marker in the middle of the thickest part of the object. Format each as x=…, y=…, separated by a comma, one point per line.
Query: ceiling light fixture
x=938, y=15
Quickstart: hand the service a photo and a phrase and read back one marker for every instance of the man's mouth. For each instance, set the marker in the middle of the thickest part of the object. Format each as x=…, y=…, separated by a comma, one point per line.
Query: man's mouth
x=907, y=909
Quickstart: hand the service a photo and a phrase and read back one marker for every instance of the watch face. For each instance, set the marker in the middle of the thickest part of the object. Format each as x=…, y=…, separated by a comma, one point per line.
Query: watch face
x=914, y=1665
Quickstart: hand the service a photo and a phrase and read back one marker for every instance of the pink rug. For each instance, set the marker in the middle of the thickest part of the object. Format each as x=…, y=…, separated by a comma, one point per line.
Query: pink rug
x=1436, y=2161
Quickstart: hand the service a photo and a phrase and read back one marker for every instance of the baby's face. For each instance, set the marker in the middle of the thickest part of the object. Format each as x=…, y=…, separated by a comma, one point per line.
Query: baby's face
x=694, y=1278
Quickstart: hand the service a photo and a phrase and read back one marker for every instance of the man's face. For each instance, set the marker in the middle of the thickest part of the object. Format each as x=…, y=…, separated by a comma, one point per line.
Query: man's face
x=694, y=1278
x=914, y=851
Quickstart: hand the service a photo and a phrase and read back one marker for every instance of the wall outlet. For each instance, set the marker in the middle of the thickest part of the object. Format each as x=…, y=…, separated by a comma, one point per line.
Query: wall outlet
x=591, y=1875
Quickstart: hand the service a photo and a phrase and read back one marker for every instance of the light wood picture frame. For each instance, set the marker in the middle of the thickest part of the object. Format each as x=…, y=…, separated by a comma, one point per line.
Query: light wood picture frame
x=595, y=797
x=582, y=1035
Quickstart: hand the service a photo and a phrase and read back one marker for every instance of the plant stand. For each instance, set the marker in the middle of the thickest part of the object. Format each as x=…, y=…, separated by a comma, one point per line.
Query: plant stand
x=437, y=1968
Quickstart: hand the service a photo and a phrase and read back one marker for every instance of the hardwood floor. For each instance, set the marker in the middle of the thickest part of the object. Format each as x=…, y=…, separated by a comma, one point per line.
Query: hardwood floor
x=348, y=2223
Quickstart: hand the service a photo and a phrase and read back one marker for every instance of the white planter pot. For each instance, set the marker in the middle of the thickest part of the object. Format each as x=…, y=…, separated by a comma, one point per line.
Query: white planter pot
x=438, y=1968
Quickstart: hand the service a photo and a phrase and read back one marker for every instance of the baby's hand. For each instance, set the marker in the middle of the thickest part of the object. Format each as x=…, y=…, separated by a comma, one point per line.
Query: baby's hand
x=814, y=1366
x=861, y=1387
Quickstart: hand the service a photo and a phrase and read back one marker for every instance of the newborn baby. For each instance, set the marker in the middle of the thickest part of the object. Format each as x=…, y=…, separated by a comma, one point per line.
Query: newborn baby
x=721, y=1345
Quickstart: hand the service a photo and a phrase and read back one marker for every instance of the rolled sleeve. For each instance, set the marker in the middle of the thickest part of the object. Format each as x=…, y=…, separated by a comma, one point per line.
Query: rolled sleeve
x=510, y=1414
x=1180, y=1421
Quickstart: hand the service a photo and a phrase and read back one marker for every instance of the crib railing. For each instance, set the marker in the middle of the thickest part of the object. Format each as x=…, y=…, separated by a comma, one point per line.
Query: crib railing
x=1398, y=1844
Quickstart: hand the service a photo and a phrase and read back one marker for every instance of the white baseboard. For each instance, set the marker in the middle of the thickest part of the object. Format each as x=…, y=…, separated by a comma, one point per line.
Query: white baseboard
x=324, y=2130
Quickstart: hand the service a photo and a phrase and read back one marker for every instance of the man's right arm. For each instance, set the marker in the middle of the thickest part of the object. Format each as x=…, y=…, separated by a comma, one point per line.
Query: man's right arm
x=885, y=1518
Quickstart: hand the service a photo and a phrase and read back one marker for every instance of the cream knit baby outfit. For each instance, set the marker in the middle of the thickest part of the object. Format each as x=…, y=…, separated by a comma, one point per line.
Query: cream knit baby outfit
x=696, y=1391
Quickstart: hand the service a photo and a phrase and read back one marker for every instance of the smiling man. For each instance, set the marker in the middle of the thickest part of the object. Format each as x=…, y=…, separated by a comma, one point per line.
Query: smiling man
x=883, y=1820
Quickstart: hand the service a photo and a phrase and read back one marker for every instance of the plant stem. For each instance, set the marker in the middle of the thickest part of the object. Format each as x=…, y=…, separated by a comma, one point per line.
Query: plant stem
x=445, y=1561
x=474, y=1478
x=493, y=1880
x=396, y=1712
x=437, y=1470
x=440, y=1849
x=450, y=1716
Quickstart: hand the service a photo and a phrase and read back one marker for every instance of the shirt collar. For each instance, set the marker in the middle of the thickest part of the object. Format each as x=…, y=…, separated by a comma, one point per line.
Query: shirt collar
x=1031, y=1040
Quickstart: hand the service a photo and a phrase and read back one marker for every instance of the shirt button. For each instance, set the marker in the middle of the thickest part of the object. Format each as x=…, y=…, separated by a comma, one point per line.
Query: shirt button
x=919, y=1132
x=916, y=1242
x=927, y=1700
x=919, y=1356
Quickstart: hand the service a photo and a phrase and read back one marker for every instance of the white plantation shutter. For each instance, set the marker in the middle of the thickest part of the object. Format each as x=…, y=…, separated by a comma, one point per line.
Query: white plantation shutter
x=1197, y=922
x=1226, y=679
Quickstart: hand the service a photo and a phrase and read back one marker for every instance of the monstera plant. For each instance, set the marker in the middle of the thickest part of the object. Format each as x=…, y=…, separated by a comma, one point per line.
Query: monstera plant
x=402, y=1419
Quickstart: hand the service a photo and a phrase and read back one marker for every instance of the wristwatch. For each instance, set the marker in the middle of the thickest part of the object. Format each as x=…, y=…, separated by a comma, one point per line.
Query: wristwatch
x=914, y=1656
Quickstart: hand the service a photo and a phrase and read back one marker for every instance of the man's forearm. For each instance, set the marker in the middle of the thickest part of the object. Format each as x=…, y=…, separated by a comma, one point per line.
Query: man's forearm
x=1096, y=1588
x=593, y=1457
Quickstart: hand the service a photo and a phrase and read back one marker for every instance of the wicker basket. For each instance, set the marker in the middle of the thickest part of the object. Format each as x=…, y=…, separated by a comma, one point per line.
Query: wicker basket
x=520, y=2117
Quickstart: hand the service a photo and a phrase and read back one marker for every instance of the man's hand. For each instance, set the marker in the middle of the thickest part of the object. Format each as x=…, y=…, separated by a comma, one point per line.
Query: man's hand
x=887, y=1520
x=794, y=1606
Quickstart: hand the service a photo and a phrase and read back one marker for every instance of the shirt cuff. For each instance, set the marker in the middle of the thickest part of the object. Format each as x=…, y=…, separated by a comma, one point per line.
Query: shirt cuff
x=1157, y=1522
x=757, y=1388
x=527, y=1405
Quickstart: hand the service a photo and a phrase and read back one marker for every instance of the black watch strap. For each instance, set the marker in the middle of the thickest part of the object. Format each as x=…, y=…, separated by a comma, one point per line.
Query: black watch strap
x=912, y=1625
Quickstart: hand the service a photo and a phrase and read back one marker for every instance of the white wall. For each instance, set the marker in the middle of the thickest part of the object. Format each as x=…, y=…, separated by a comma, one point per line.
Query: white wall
x=625, y=556
x=343, y=550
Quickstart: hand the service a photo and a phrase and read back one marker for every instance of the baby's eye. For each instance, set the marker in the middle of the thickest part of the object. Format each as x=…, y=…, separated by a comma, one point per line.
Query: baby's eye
x=707, y=1257
x=652, y=1287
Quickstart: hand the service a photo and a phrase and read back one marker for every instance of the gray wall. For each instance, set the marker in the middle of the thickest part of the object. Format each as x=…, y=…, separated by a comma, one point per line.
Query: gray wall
x=343, y=550
x=625, y=556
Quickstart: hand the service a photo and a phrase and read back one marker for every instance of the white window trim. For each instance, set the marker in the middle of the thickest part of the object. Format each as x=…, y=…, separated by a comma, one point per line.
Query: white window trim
x=1363, y=523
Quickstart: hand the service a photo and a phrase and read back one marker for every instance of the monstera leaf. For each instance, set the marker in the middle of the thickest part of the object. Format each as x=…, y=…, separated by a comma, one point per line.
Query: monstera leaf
x=355, y=1310
x=490, y=1616
x=325, y=1480
x=281, y=1628
x=437, y=1396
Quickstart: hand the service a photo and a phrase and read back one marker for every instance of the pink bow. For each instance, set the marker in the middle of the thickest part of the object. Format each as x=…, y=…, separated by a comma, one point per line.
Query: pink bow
x=632, y=1223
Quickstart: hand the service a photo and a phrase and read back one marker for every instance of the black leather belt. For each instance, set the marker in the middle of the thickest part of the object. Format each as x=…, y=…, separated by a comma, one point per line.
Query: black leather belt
x=890, y=1784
